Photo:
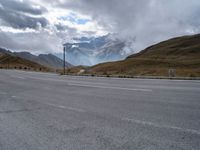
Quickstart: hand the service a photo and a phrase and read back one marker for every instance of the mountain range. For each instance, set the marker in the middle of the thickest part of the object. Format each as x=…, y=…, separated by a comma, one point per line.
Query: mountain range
x=46, y=60
x=9, y=61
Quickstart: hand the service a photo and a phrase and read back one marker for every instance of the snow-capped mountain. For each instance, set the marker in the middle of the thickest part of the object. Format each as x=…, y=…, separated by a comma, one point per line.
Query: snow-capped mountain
x=91, y=51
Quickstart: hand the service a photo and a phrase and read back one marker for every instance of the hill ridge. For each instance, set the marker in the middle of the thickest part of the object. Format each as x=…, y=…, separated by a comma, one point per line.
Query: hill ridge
x=48, y=60
x=180, y=53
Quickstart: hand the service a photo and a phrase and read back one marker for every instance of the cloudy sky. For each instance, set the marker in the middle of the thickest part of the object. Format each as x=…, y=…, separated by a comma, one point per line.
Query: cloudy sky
x=42, y=26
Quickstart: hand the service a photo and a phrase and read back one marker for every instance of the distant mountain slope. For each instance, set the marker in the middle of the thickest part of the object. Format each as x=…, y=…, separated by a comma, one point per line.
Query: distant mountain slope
x=10, y=61
x=48, y=60
x=182, y=54
x=52, y=60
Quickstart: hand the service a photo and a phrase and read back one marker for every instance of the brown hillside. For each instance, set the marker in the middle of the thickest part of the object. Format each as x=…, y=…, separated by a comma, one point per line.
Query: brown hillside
x=182, y=54
x=12, y=62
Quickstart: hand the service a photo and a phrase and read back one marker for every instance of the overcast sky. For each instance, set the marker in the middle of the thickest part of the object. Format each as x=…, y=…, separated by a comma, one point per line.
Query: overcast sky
x=42, y=26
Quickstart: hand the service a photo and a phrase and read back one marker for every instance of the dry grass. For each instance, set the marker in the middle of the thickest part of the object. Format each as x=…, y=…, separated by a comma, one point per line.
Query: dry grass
x=182, y=54
x=12, y=62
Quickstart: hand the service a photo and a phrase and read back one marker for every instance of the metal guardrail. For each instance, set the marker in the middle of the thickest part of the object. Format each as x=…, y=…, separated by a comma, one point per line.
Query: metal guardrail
x=137, y=77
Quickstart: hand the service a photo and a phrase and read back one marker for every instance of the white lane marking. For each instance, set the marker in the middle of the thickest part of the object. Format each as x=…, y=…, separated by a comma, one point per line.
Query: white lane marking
x=3, y=93
x=67, y=81
x=20, y=77
x=13, y=96
x=64, y=107
x=17, y=77
x=109, y=87
x=147, y=123
x=75, y=109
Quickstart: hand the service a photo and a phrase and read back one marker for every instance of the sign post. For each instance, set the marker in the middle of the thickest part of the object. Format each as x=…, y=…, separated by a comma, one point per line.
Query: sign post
x=64, y=50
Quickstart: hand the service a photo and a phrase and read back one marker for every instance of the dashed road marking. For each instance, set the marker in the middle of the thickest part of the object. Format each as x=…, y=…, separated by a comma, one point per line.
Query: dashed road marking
x=147, y=123
x=109, y=87
x=18, y=77
x=65, y=107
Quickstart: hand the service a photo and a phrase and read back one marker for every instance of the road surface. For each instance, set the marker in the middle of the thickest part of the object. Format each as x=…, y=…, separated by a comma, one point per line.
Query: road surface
x=41, y=111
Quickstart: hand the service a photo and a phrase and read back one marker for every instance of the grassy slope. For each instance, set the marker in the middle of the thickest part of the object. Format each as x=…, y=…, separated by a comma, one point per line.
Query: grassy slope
x=13, y=62
x=182, y=54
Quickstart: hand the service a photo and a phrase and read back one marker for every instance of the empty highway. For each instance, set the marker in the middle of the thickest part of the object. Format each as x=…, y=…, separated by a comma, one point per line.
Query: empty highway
x=42, y=111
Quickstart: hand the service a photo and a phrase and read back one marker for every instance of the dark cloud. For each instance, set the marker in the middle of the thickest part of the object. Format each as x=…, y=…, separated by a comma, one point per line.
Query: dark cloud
x=13, y=13
x=65, y=32
x=61, y=27
x=23, y=6
x=90, y=33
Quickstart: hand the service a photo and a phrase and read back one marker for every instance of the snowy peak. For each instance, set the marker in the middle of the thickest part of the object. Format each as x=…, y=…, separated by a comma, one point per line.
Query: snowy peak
x=94, y=50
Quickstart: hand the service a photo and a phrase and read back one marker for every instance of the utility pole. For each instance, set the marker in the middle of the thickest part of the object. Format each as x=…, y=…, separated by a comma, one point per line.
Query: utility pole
x=8, y=63
x=64, y=59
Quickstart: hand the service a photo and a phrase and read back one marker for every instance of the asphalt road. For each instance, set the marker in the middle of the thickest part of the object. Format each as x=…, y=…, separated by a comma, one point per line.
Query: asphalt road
x=40, y=111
